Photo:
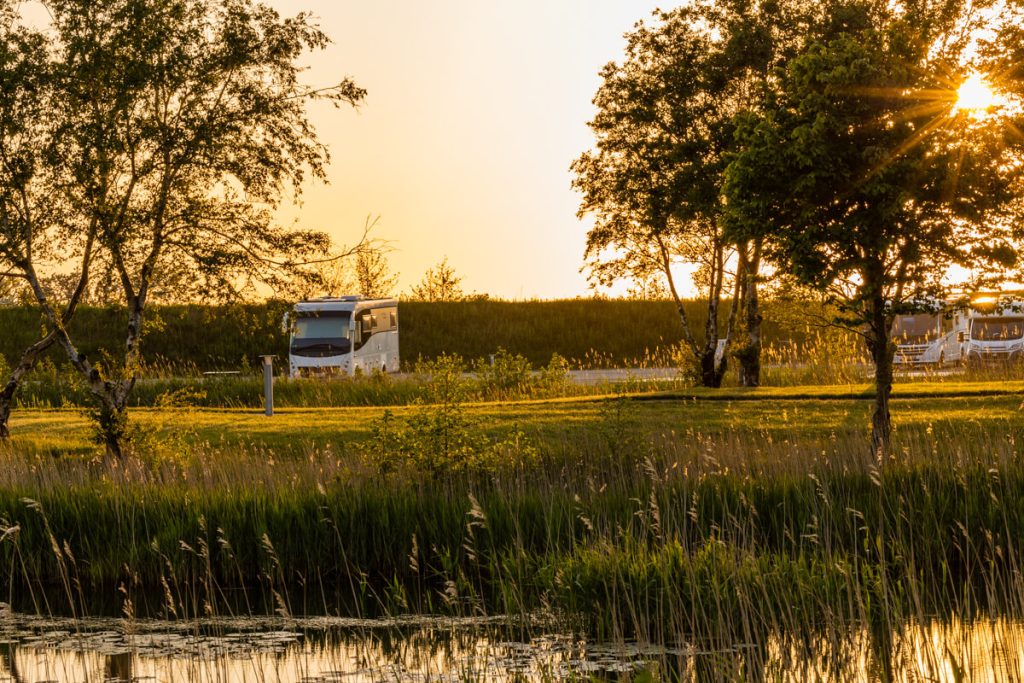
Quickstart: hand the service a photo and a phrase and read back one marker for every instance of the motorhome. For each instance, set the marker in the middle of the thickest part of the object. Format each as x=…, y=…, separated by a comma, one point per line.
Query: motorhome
x=342, y=335
x=930, y=337
x=996, y=332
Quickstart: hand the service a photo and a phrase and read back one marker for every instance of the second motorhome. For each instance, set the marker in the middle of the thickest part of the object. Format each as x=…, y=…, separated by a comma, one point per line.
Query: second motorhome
x=996, y=333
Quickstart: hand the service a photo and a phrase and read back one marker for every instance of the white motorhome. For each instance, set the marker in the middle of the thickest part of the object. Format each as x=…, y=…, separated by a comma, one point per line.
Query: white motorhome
x=996, y=333
x=342, y=335
x=930, y=337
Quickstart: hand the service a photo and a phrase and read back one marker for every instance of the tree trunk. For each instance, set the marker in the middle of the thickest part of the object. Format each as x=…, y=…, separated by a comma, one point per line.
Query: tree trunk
x=749, y=356
x=25, y=365
x=711, y=372
x=6, y=399
x=881, y=348
x=712, y=369
x=112, y=415
x=112, y=423
x=111, y=395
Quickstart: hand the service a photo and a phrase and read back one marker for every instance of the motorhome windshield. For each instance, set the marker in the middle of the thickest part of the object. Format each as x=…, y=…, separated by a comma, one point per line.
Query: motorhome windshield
x=321, y=334
x=997, y=329
x=915, y=329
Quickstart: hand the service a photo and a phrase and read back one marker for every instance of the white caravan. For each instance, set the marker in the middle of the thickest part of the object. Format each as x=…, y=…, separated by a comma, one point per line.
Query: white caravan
x=996, y=334
x=342, y=335
x=930, y=338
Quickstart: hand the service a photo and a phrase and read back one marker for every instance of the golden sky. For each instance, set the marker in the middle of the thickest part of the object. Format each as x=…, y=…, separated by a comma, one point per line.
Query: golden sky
x=475, y=110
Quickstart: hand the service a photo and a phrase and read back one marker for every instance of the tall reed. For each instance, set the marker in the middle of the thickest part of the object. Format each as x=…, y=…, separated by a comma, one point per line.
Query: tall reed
x=718, y=539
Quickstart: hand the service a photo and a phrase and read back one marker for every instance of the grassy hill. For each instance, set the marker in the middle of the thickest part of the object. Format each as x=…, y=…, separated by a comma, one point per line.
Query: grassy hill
x=590, y=331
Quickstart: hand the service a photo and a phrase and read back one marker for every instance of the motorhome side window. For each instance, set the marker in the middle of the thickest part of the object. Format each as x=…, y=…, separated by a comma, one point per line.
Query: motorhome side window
x=384, y=320
x=363, y=328
x=375, y=321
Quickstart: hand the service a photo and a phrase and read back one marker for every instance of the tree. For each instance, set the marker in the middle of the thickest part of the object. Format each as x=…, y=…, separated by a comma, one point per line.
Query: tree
x=648, y=288
x=664, y=129
x=866, y=180
x=37, y=228
x=182, y=123
x=439, y=283
x=365, y=271
x=374, y=275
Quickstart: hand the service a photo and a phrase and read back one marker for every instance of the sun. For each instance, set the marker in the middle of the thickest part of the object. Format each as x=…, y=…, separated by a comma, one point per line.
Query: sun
x=975, y=97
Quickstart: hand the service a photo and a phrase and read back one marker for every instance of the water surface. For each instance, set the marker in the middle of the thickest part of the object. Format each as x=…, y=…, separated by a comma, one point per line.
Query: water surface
x=277, y=650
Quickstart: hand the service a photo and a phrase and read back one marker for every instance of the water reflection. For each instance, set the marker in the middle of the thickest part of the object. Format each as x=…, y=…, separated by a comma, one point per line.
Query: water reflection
x=34, y=650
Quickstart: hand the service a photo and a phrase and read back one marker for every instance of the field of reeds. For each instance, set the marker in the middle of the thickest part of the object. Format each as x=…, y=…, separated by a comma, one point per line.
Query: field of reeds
x=727, y=524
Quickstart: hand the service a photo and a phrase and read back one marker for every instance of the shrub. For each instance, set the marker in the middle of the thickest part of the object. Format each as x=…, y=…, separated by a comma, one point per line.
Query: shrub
x=554, y=378
x=439, y=438
x=504, y=375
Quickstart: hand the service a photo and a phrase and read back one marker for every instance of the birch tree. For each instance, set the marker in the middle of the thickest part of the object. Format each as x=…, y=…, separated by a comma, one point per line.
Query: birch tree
x=39, y=230
x=664, y=131
x=182, y=125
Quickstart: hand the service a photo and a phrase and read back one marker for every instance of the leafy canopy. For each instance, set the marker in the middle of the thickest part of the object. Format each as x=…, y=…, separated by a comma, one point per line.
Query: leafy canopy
x=862, y=175
x=187, y=125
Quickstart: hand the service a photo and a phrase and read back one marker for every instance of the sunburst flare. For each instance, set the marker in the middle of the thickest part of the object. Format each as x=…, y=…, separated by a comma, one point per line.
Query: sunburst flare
x=975, y=97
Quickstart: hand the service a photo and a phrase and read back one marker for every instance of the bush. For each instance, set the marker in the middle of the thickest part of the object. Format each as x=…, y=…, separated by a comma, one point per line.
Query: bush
x=554, y=377
x=439, y=438
x=504, y=375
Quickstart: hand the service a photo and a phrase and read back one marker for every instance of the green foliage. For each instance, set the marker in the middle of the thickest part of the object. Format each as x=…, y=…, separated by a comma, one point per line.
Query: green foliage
x=190, y=337
x=234, y=94
x=445, y=381
x=439, y=283
x=155, y=136
x=665, y=131
x=439, y=438
x=503, y=375
x=664, y=127
x=554, y=379
x=880, y=170
x=183, y=397
x=109, y=425
x=688, y=365
x=587, y=332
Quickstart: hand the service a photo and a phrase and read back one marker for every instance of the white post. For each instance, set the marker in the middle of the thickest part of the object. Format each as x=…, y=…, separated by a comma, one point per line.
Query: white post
x=268, y=385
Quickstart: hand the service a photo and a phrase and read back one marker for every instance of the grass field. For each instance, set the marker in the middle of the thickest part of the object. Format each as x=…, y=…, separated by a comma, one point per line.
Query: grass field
x=800, y=411
x=719, y=519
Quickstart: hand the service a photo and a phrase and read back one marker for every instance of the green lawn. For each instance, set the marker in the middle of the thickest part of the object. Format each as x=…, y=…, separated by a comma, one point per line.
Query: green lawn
x=793, y=412
x=903, y=389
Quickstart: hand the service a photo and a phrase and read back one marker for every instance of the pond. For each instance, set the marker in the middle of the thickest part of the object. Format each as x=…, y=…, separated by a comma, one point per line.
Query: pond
x=276, y=650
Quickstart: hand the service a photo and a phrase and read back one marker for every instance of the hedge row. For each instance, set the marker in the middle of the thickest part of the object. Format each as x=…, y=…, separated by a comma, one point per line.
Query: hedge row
x=595, y=331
